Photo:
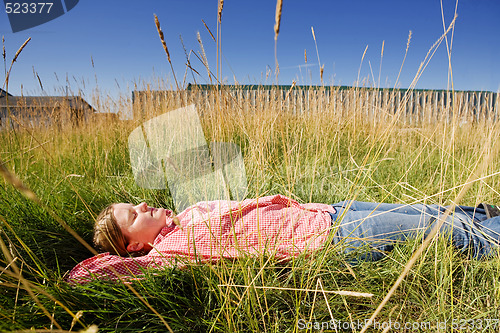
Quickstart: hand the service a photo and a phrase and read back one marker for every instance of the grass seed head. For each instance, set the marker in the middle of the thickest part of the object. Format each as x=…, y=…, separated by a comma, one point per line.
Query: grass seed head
x=279, y=5
x=219, y=11
x=20, y=50
x=162, y=38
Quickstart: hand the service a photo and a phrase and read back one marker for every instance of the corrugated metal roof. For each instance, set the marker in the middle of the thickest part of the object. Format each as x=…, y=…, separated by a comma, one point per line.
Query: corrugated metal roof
x=44, y=102
x=205, y=87
x=3, y=93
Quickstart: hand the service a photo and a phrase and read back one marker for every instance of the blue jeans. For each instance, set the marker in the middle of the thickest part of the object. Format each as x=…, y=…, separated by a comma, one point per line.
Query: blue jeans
x=378, y=226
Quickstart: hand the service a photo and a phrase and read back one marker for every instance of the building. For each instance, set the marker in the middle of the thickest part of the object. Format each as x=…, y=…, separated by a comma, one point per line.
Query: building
x=416, y=105
x=3, y=93
x=35, y=111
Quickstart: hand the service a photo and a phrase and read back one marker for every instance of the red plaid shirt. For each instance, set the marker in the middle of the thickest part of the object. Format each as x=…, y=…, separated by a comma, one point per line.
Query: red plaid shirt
x=212, y=230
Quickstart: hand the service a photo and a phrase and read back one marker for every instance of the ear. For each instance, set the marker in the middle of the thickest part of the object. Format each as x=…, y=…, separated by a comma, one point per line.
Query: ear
x=135, y=247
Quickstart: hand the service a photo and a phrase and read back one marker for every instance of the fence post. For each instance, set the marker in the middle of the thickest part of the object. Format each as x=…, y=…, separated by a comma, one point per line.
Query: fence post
x=496, y=106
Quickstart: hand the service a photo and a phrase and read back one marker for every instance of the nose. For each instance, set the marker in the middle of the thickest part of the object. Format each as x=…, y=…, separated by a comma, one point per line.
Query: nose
x=143, y=207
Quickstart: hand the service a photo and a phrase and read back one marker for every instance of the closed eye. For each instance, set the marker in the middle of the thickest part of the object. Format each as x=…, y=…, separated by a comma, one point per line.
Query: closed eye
x=134, y=215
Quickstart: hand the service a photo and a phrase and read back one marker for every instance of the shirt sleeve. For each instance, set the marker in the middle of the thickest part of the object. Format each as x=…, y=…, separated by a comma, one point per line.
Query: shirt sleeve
x=111, y=267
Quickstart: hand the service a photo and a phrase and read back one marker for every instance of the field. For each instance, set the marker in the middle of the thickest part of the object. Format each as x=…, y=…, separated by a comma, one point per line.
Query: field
x=340, y=145
x=321, y=155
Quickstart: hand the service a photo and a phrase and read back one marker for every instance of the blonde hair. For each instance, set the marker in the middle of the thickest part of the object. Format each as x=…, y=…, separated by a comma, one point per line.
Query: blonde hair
x=108, y=236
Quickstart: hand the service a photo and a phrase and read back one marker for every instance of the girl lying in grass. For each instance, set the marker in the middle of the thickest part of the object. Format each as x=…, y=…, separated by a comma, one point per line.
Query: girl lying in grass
x=142, y=237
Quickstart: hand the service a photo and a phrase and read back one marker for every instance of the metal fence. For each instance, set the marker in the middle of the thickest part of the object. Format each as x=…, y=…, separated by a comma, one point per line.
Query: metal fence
x=375, y=104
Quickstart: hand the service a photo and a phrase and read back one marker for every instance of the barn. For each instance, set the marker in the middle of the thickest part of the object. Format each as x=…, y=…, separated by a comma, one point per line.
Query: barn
x=36, y=111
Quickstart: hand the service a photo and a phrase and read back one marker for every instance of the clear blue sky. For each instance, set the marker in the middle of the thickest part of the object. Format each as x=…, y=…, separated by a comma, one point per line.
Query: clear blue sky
x=121, y=38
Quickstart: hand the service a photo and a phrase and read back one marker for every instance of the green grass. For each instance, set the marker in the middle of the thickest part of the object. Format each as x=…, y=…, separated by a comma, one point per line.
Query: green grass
x=311, y=157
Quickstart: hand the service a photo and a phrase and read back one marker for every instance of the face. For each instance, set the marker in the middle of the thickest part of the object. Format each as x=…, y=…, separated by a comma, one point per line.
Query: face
x=139, y=224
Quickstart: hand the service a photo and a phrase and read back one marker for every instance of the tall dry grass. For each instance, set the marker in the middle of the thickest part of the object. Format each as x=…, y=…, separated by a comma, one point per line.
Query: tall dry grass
x=319, y=150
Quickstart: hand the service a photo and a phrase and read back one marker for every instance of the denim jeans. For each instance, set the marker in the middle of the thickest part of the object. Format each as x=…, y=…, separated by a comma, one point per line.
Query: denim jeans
x=378, y=226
